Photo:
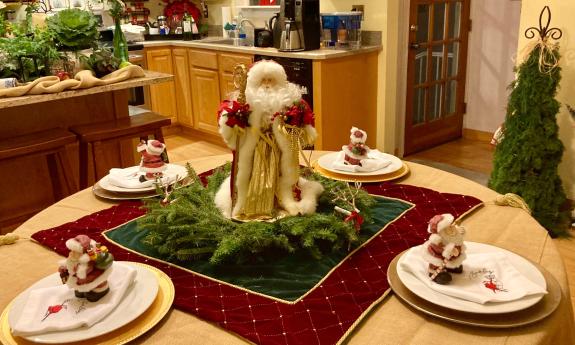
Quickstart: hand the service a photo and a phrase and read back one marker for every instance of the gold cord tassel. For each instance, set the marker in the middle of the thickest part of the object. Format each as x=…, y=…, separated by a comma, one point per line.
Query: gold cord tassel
x=10, y=238
x=512, y=200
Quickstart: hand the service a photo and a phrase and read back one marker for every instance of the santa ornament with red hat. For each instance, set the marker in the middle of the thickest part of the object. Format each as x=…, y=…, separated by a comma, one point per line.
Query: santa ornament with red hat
x=444, y=250
x=87, y=268
x=356, y=150
x=152, y=163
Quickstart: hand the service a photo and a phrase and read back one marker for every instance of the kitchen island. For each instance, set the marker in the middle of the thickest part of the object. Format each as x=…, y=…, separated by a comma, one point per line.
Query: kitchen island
x=25, y=182
x=343, y=85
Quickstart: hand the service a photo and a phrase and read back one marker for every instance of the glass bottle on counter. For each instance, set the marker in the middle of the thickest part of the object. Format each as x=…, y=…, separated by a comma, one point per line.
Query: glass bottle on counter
x=187, y=26
x=120, y=44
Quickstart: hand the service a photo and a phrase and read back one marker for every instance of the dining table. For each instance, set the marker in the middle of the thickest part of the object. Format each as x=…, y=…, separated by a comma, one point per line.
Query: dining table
x=388, y=320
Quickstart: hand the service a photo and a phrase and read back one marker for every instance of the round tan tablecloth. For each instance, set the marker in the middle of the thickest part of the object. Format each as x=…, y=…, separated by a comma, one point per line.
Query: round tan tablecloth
x=391, y=322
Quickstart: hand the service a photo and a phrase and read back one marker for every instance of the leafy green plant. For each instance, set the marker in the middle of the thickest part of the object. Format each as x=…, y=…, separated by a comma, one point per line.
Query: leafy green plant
x=73, y=29
x=26, y=56
x=101, y=62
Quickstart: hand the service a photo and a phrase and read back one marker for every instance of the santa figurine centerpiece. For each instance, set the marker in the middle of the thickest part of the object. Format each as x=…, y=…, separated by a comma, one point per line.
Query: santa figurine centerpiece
x=356, y=150
x=266, y=125
x=87, y=268
x=152, y=163
x=444, y=250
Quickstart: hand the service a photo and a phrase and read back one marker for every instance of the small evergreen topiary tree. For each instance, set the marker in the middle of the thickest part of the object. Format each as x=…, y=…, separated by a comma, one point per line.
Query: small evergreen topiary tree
x=526, y=159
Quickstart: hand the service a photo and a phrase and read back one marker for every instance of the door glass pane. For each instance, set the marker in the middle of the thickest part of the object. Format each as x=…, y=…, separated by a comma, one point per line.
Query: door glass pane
x=438, y=21
x=420, y=65
x=454, y=20
x=450, y=95
x=452, y=59
x=435, y=99
x=418, y=106
x=437, y=62
x=422, y=23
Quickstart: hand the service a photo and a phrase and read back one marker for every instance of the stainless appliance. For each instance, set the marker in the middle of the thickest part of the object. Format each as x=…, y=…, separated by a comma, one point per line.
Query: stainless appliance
x=299, y=25
x=139, y=96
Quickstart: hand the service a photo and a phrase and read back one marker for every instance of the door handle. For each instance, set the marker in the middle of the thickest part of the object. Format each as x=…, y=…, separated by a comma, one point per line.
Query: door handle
x=414, y=46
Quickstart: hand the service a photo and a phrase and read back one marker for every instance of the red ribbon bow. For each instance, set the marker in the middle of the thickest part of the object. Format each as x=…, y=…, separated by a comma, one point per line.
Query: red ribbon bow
x=356, y=218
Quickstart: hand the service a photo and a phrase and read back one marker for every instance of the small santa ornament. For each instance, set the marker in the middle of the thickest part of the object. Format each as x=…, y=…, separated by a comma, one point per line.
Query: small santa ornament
x=356, y=150
x=444, y=250
x=152, y=163
x=87, y=268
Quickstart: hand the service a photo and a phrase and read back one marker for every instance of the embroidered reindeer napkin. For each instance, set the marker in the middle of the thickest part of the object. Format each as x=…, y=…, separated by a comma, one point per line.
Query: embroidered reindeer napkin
x=486, y=277
x=375, y=160
x=57, y=309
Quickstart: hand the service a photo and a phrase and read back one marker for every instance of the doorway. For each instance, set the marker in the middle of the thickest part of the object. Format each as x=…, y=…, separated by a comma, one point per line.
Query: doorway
x=436, y=66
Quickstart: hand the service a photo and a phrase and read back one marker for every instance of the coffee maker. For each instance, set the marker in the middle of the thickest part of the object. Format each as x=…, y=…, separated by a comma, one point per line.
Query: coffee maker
x=300, y=25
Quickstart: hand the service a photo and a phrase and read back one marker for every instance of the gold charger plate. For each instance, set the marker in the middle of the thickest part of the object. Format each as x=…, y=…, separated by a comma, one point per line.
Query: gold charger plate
x=122, y=335
x=545, y=307
x=404, y=170
x=110, y=195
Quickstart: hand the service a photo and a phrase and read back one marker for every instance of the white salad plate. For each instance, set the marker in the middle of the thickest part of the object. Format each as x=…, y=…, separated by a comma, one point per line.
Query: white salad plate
x=138, y=298
x=326, y=162
x=172, y=171
x=525, y=267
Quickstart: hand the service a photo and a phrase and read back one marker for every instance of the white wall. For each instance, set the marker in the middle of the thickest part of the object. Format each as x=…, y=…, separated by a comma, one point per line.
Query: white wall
x=491, y=54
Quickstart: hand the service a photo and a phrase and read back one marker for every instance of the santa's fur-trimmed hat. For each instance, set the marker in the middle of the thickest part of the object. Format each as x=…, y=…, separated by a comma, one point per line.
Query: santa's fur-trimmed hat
x=80, y=244
x=155, y=147
x=357, y=135
x=267, y=69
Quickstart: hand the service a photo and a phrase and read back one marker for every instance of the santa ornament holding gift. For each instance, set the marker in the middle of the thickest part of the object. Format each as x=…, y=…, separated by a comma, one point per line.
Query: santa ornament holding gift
x=152, y=163
x=87, y=268
x=266, y=127
x=444, y=250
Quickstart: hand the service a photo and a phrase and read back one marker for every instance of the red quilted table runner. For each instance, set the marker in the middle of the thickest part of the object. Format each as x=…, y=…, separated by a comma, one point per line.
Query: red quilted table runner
x=327, y=313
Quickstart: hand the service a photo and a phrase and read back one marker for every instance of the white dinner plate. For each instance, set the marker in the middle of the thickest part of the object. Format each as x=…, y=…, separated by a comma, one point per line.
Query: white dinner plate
x=521, y=264
x=138, y=298
x=173, y=170
x=326, y=162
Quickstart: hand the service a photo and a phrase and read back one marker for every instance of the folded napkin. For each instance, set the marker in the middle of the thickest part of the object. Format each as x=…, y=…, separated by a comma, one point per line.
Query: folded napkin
x=57, y=309
x=375, y=161
x=129, y=178
x=486, y=277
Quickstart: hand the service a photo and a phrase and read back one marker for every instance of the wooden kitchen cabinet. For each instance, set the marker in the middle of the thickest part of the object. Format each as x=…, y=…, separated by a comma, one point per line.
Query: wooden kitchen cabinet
x=162, y=96
x=211, y=75
x=183, y=89
x=227, y=63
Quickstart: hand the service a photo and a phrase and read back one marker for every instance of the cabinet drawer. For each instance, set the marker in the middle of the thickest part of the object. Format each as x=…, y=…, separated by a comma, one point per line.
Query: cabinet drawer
x=229, y=61
x=203, y=58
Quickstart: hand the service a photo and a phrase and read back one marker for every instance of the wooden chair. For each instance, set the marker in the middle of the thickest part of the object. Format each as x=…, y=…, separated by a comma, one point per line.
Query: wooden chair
x=50, y=144
x=136, y=126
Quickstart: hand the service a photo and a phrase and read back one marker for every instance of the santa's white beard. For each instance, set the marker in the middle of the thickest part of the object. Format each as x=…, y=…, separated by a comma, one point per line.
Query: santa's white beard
x=270, y=100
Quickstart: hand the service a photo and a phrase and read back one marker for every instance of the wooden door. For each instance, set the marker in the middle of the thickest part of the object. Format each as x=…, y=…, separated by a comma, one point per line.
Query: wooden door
x=206, y=98
x=183, y=90
x=436, y=72
x=162, y=96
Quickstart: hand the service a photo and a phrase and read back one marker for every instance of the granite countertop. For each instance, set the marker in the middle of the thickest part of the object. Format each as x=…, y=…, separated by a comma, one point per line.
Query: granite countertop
x=150, y=78
x=211, y=43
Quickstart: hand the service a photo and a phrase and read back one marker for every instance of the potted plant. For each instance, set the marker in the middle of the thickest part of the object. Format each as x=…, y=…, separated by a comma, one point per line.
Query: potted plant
x=27, y=56
x=73, y=30
x=102, y=62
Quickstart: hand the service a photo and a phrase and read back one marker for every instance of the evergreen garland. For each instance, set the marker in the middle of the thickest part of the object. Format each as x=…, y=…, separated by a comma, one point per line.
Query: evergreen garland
x=191, y=227
x=526, y=160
